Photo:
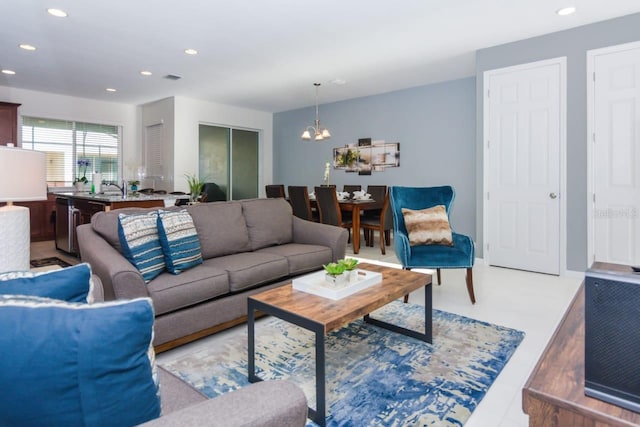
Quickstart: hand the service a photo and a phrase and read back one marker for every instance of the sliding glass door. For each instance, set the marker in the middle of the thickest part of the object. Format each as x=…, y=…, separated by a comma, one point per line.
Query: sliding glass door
x=229, y=158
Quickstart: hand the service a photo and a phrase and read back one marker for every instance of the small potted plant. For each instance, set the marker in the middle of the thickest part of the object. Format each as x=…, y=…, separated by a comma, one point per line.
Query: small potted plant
x=195, y=187
x=351, y=271
x=80, y=182
x=335, y=274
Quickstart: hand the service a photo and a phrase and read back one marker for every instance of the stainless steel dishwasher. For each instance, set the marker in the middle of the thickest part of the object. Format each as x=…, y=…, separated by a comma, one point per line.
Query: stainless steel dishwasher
x=66, y=221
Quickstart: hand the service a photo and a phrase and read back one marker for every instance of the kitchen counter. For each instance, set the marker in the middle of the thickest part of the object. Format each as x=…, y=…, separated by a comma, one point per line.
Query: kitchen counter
x=116, y=200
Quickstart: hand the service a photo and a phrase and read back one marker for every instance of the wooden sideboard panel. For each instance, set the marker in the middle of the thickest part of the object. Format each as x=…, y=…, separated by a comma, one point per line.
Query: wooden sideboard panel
x=553, y=396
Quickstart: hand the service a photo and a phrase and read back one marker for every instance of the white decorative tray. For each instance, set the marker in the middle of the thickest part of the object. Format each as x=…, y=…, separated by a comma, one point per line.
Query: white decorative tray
x=316, y=284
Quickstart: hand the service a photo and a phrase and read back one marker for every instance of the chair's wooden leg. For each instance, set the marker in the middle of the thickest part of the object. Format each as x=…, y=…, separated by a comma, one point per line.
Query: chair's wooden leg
x=406, y=297
x=387, y=237
x=470, y=285
x=438, y=273
x=382, y=249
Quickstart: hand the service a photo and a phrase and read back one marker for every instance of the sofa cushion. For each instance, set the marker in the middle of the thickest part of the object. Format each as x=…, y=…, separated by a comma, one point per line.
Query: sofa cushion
x=72, y=284
x=179, y=240
x=141, y=244
x=270, y=222
x=221, y=228
x=76, y=364
x=250, y=269
x=301, y=258
x=170, y=292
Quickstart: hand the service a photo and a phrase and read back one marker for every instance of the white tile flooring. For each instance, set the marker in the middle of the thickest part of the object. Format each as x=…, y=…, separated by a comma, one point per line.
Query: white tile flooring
x=533, y=303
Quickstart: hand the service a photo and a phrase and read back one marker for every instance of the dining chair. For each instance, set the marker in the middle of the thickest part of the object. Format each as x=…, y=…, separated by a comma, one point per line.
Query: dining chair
x=300, y=204
x=351, y=188
x=461, y=253
x=378, y=192
x=383, y=223
x=329, y=208
x=275, y=191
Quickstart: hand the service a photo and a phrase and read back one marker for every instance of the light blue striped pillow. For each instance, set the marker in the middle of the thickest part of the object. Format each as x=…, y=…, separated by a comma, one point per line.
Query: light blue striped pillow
x=138, y=235
x=179, y=240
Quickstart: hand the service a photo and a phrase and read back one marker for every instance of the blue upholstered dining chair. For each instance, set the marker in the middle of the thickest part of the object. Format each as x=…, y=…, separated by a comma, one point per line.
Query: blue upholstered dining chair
x=460, y=255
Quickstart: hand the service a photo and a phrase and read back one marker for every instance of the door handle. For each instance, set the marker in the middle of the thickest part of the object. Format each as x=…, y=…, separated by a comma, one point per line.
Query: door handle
x=553, y=195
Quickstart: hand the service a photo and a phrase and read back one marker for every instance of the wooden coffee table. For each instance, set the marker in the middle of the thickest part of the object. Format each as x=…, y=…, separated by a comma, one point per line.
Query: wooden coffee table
x=322, y=315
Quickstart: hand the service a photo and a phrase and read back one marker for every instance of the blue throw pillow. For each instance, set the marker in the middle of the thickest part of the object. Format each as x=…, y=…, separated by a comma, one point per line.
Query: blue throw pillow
x=138, y=235
x=179, y=240
x=70, y=364
x=72, y=284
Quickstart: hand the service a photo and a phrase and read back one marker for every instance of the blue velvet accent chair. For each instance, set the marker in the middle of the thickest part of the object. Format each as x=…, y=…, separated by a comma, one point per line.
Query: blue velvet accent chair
x=460, y=255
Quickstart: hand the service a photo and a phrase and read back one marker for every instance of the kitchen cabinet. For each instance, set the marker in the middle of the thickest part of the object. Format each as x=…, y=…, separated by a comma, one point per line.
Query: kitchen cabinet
x=9, y=123
x=41, y=218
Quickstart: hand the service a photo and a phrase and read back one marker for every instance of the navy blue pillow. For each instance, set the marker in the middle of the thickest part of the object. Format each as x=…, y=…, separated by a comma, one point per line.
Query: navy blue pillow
x=70, y=364
x=71, y=284
x=179, y=240
x=138, y=235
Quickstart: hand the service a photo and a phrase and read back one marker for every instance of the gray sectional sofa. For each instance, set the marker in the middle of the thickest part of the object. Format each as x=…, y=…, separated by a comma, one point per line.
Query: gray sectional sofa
x=247, y=246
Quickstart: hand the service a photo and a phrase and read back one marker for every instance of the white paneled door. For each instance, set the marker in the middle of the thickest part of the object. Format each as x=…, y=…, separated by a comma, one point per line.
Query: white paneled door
x=524, y=134
x=615, y=154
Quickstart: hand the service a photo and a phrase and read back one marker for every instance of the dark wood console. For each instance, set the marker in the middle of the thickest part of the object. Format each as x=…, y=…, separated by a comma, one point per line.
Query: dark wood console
x=554, y=393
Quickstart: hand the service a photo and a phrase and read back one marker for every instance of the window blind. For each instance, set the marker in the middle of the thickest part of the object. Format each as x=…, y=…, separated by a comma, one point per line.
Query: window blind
x=65, y=143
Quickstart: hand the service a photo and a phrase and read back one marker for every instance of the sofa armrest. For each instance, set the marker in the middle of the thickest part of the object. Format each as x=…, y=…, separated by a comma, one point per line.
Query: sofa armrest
x=270, y=403
x=120, y=279
x=314, y=233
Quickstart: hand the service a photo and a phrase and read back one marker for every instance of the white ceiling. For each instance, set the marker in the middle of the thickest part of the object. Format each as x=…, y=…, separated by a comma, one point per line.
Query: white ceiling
x=265, y=54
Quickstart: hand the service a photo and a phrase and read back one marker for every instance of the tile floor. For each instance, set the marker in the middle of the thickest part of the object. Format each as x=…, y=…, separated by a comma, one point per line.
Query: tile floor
x=533, y=303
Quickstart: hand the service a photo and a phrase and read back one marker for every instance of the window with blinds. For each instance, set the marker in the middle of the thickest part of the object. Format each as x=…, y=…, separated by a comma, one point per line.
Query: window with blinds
x=69, y=146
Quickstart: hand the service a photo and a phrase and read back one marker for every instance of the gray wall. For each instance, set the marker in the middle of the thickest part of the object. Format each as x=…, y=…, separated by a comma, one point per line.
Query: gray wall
x=434, y=124
x=573, y=44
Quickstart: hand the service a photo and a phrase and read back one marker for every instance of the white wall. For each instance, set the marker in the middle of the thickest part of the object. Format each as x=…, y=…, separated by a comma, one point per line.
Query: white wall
x=190, y=113
x=62, y=107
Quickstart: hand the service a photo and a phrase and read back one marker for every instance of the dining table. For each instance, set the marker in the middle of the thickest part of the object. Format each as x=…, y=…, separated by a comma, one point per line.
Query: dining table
x=355, y=206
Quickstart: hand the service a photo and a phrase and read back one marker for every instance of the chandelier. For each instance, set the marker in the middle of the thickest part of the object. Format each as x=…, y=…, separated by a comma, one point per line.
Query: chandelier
x=318, y=133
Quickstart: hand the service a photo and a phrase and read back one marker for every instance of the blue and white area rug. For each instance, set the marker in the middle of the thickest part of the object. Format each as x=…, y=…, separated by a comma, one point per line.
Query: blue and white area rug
x=374, y=376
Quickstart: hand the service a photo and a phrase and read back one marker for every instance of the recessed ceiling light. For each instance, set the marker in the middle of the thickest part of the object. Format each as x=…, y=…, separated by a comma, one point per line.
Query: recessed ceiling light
x=27, y=47
x=110, y=89
x=57, y=12
x=191, y=51
x=339, y=81
x=146, y=73
x=10, y=72
x=566, y=11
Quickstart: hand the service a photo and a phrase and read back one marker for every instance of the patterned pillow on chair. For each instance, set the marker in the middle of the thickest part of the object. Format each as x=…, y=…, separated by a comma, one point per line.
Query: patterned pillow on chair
x=428, y=226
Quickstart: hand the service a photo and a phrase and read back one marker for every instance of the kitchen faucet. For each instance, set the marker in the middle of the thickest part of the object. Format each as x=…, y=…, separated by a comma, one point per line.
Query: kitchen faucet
x=122, y=189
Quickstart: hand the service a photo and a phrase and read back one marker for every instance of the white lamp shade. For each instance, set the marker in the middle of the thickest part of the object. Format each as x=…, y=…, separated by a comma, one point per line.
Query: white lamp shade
x=23, y=175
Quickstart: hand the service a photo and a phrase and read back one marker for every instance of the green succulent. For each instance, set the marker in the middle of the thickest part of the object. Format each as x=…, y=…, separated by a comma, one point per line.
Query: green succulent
x=334, y=268
x=349, y=263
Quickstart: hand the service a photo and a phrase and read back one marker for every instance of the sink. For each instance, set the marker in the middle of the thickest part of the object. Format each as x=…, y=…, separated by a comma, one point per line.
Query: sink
x=110, y=193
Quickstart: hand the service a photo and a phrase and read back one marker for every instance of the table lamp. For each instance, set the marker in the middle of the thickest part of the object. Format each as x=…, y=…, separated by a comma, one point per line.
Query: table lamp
x=23, y=178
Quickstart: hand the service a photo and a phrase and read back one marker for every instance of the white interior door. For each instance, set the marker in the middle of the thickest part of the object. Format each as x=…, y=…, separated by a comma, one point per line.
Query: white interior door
x=615, y=154
x=524, y=133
